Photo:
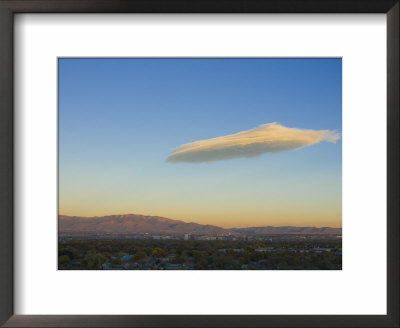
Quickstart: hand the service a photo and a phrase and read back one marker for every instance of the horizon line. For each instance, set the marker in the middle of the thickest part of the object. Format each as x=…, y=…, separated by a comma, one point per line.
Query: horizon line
x=233, y=227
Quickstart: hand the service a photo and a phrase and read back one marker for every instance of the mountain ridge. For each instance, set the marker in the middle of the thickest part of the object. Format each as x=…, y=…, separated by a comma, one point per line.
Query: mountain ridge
x=140, y=224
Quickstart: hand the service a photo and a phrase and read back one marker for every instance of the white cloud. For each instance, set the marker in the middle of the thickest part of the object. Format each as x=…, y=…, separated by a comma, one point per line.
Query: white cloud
x=267, y=138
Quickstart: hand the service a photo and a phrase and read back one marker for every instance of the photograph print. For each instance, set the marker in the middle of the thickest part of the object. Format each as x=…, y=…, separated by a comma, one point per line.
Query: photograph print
x=200, y=163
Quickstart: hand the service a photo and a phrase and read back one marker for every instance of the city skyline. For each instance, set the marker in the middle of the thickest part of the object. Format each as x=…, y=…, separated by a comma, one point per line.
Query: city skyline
x=225, y=142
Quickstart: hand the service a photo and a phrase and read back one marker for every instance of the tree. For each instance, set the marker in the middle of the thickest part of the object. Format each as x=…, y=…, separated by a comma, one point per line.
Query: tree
x=116, y=261
x=95, y=261
x=197, y=255
x=64, y=251
x=139, y=255
x=63, y=259
x=159, y=252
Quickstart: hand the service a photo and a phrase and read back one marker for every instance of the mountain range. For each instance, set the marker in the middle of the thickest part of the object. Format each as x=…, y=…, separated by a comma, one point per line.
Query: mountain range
x=140, y=224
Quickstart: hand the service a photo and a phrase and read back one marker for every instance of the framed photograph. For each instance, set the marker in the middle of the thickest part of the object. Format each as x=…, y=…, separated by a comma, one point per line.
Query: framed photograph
x=199, y=164
x=224, y=218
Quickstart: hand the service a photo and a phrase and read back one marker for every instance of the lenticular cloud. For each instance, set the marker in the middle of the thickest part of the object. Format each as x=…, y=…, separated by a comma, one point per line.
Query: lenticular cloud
x=267, y=138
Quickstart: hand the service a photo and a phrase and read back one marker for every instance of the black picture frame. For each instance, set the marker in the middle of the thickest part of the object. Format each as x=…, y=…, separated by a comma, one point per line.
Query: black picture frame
x=10, y=7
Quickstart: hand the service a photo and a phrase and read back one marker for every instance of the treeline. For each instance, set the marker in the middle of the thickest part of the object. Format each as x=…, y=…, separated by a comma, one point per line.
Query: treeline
x=199, y=255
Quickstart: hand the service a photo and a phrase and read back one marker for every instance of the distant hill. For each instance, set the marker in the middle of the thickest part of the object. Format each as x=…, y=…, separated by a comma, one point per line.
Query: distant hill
x=133, y=224
x=140, y=224
x=287, y=230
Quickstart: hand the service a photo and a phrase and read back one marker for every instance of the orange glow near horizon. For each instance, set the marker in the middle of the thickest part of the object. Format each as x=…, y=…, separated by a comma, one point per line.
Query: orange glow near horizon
x=229, y=220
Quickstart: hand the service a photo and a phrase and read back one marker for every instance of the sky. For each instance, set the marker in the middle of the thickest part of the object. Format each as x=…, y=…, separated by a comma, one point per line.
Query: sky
x=232, y=142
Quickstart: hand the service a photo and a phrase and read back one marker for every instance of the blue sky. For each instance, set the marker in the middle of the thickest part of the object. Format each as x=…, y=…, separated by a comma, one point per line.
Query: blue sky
x=119, y=119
